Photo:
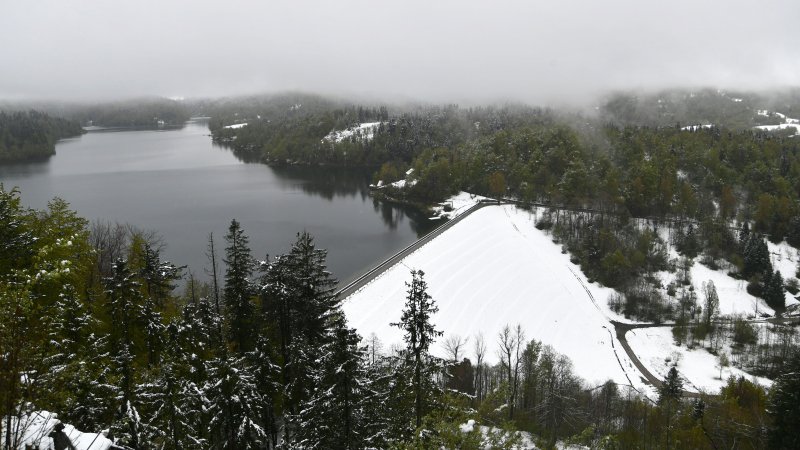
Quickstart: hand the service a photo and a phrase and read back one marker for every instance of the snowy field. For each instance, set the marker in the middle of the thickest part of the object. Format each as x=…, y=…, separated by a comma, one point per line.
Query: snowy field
x=696, y=127
x=456, y=204
x=733, y=296
x=492, y=269
x=788, y=122
x=655, y=348
x=362, y=131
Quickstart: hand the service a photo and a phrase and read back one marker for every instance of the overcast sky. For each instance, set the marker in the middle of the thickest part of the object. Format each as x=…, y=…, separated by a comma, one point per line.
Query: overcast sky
x=533, y=51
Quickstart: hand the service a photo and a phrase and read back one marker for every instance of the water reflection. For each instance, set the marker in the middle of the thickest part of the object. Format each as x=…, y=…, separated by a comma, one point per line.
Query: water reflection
x=327, y=182
x=24, y=169
x=179, y=183
x=394, y=214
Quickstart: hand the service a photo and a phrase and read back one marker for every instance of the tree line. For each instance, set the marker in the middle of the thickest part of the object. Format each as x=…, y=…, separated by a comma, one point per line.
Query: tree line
x=32, y=135
x=261, y=356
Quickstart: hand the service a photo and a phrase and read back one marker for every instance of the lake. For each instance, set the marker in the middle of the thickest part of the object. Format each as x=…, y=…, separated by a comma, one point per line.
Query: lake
x=177, y=182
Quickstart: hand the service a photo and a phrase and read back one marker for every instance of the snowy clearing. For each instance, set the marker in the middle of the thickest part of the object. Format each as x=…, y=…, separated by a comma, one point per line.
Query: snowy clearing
x=784, y=259
x=733, y=296
x=696, y=127
x=492, y=269
x=788, y=122
x=656, y=350
x=37, y=426
x=236, y=125
x=363, y=131
x=455, y=205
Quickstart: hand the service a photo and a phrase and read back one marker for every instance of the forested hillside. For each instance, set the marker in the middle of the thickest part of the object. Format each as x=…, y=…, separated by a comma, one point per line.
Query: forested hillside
x=262, y=354
x=259, y=354
x=728, y=109
x=148, y=112
x=32, y=135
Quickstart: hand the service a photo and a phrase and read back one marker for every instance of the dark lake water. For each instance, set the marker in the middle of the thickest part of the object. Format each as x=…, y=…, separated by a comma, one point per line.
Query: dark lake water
x=180, y=184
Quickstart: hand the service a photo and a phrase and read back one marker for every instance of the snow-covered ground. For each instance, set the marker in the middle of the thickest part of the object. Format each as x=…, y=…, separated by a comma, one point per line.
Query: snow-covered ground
x=456, y=205
x=733, y=296
x=36, y=427
x=784, y=259
x=236, y=126
x=364, y=131
x=696, y=127
x=655, y=348
x=788, y=122
x=525, y=439
x=492, y=269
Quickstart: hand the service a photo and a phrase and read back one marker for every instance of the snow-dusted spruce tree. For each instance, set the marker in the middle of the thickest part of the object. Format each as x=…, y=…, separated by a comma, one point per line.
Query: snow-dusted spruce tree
x=158, y=277
x=199, y=335
x=419, y=334
x=238, y=292
x=123, y=300
x=299, y=303
x=669, y=394
x=77, y=364
x=335, y=415
x=756, y=256
x=233, y=406
x=171, y=401
x=266, y=376
x=774, y=294
x=784, y=408
x=153, y=328
x=671, y=388
x=157, y=281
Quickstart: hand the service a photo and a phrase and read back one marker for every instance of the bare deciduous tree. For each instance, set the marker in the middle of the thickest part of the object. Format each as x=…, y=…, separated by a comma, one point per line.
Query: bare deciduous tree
x=454, y=345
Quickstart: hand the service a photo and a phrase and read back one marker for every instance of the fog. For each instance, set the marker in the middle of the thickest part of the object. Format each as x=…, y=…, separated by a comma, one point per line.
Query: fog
x=532, y=51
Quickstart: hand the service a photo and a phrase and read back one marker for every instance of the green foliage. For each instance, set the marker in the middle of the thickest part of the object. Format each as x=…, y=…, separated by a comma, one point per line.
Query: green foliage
x=671, y=388
x=784, y=409
x=238, y=293
x=744, y=333
x=32, y=135
x=419, y=333
x=140, y=113
x=774, y=292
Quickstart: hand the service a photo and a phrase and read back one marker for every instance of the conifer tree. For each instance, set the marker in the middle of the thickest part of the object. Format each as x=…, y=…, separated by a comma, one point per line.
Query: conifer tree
x=774, y=292
x=419, y=334
x=334, y=416
x=671, y=388
x=299, y=304
x=199, y=336
x=233, y=406
x=72, y=364
x=158, y=276
x=153, y=328
x=124, y=298
x=266, y=376
x=312, y=289
x=238, y=291
x=174, y=402
x=784, y=408
x=756, y=257
x=130, y=431
x=69, y=328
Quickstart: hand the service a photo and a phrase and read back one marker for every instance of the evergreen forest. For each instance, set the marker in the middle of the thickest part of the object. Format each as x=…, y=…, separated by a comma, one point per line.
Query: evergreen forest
x=257, y=354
